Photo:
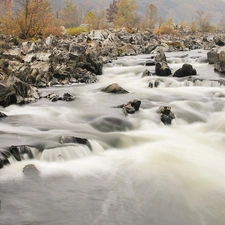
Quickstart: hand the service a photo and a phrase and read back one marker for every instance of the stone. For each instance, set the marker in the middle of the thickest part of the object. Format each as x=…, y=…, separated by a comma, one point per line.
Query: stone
x=166, y=116
x=212, y=57
x=78, y=140
x=115, y=89
x=162, y=69
x=185, y=71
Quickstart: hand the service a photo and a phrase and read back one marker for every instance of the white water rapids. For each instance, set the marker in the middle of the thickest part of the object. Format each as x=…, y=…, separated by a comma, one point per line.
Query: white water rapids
x=140, y=171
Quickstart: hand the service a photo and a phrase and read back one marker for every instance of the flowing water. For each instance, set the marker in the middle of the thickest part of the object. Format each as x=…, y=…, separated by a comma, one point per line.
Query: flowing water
x=139, y=172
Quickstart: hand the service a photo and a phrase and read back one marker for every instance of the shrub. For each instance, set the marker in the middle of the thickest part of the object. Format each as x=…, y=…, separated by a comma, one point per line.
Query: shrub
x=76, y=30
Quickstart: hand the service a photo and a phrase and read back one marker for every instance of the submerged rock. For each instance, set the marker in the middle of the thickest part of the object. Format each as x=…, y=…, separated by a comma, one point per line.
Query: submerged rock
x=78, y=140
x=30, y=170
x=166, y=116
x=111, y=124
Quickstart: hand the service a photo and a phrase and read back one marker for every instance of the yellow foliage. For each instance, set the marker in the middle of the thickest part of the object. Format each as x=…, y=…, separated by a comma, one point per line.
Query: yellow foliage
x=166, y=28
x=76, y=30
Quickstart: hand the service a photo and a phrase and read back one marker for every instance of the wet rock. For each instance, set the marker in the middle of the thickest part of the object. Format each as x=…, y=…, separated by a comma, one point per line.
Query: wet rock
x=160, y=56
x=111, y=124
x=150, y=62
x=162, y=69
x=166, y=116
x=212, y=56
x=15, y=91
x=55, y=97
x=146, y=73
x=30, y=170
x=115, y=89
x=2, y=115
x=78, y=140
x=68, y=97
x=220, y=65
x=131, y=107
x=21, y=152
x=186, y=70
x=154, y=83
x=4, y=155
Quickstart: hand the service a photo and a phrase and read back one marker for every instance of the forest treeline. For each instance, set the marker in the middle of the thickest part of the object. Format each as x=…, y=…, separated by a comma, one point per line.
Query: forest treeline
x=35, y=18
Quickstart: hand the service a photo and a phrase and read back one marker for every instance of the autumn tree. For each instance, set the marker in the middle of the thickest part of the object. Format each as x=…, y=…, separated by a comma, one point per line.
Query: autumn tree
x=204, y=21
x=112, y=11
x=57, y=6
x=221, y=25
x=91, y=19
x=126, y=15
x=5, y=6
x=32, y=18
x=70, y=15
x=151, y=16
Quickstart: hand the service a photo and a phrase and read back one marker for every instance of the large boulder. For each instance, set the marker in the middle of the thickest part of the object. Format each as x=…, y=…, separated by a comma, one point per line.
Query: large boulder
x=220, y=65
x=15, y=91
x=185, y=70
x=162, y=69
x=212, y=56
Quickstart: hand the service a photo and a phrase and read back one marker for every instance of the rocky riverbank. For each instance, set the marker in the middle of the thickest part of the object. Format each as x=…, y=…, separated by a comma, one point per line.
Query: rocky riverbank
x=79, y=59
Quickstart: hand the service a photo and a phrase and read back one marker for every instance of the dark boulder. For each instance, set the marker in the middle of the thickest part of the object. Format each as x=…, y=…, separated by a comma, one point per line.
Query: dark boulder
x=220, y=65
x=115, y=89
x=185, y=71
x=166, y=116
x=2, y=115
x=15, y=91
x=20, y=152
x=150, y=62
x=4, y=155
x=162, y=69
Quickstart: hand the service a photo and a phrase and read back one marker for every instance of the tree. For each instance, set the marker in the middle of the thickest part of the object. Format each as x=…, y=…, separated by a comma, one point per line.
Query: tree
x=70, y=15
x=57, y=7
x=32, y=18
x=151, y=16
x=91, y=19
x=112, y=11
x=5, y=6
x=126, y=15
x=203, y=21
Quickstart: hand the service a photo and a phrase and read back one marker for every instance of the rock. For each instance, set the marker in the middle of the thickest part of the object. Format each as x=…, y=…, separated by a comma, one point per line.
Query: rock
x=30, y=170
x=150, y=62
x=146, y=73
x=186, y=70
x=160, y=56
x=111, y=124
x=14, y=91
x=162, y=69
x=21, y=152
x=166, y=116
x=131, y=107
x=212, y=56
x=2, y=115
x=78, y=140
x=154, y=83
x=68, y=97
x=220, y=65
x=115, y=89
x=4, y=155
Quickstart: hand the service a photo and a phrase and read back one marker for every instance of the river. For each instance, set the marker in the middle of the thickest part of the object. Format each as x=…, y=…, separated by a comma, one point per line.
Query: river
x=139, y=172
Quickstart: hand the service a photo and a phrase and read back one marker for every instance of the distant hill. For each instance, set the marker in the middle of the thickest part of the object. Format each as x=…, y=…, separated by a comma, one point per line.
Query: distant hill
x=179, y=10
